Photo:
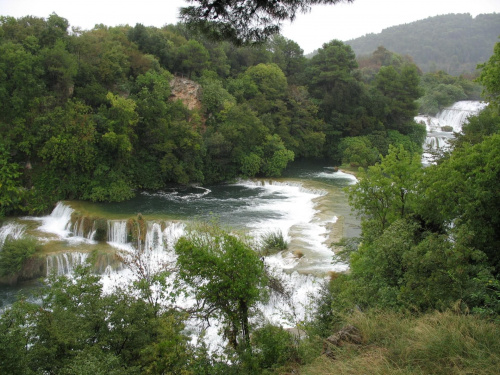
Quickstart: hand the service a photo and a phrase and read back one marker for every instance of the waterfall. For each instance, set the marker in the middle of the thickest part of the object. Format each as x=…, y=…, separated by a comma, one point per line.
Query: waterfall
x=81, y=228
x=450, y=120
x=64, y=263
x=456, y=115
x=11, y=230
x=118, y=234
x=172, y=232
x=59, y=221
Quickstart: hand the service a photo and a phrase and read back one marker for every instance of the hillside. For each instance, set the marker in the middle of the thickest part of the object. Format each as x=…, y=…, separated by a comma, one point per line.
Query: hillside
x=454, y=43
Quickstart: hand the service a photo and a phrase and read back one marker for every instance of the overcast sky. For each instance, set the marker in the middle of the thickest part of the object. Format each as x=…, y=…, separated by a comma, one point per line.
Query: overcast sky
x=310, y=31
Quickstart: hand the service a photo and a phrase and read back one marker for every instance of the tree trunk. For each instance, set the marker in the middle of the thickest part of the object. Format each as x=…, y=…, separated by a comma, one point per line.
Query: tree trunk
x=244, y=322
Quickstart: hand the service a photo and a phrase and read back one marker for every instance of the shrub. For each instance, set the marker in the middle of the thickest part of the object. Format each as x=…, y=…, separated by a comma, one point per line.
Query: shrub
x=14, y=253
x=275, y=347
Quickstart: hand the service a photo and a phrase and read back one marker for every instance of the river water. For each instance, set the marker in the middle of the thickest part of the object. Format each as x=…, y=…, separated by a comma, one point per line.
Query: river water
x=308, y=205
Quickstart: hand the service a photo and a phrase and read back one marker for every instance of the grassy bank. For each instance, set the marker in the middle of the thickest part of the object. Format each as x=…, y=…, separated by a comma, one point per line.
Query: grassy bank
x=435, y=343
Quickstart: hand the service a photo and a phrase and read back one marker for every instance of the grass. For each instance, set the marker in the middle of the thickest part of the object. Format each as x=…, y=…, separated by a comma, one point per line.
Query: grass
x=273, y=242
x=436, y=343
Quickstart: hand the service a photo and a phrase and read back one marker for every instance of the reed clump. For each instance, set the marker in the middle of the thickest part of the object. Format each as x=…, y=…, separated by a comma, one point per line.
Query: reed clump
x=273, y=242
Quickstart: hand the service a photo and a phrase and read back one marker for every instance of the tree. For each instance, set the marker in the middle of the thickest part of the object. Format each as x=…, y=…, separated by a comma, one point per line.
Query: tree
x=462, y=193
x=244, y=21
x=225, y=275
x=75, y=328
x=288, y=55
x=11, y=192
x=387, y=190
x=400, y=90
x=358, y=151
x=333, y=81
x=192, y=57
x=490, y=76
x=269, y=79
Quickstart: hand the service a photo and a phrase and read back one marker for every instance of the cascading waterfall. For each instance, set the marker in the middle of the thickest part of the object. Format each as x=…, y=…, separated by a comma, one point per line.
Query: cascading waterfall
x=64, y=263
x=450, y=120
x=59, y=221
x=11, y=230
x=81, y=228
x=118, y=234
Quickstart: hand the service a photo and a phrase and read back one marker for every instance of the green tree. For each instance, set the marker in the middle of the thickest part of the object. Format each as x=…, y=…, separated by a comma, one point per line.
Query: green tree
x=270, y=80
x=490, y=76
x=358, y=151
x=462, y=192
x=61, y=68
x=77, y=329
x=276, y=156
x=332, y=81
x=215, y=98
x=406, y=267
x=244, y=21
x=226, y=278
x=192, y=57
x=387, y=191
x=400, y=90
x=11, y=191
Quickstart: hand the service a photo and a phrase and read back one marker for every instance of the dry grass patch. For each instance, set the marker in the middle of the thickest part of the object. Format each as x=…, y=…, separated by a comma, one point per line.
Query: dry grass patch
x=436, y=343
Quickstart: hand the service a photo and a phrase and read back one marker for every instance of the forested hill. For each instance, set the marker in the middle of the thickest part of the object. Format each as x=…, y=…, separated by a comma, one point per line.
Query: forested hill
x=454, y=43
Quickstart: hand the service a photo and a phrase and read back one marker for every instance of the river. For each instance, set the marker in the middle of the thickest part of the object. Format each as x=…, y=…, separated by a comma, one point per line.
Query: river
x=308, y=205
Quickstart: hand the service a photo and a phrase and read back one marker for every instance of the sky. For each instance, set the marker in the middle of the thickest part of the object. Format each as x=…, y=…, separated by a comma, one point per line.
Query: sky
x=323, y=24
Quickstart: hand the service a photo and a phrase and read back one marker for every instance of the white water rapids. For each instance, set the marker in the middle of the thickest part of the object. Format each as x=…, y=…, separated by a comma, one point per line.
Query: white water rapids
x=298, y=212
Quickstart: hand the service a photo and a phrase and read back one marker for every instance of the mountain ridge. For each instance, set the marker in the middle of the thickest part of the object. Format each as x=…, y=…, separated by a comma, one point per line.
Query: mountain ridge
x=454, y=43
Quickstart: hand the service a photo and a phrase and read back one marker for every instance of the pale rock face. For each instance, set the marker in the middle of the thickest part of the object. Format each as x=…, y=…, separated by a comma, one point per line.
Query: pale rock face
x=189, y=92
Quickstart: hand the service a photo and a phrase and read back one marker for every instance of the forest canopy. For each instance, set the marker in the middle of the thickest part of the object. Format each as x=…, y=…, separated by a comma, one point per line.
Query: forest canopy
x=99, y=114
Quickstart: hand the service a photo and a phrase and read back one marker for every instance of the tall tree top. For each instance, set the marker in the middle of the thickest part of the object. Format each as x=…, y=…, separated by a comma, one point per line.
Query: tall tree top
x=245, y=21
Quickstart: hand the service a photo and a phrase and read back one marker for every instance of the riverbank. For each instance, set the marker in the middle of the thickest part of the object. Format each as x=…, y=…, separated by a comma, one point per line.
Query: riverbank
x=394, y=343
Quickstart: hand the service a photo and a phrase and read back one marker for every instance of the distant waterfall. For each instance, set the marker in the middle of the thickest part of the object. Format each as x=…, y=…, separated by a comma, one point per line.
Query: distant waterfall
x=450, y=120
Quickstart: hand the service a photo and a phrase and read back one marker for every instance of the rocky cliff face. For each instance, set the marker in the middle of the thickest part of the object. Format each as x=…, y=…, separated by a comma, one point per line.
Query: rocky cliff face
x=189, y=92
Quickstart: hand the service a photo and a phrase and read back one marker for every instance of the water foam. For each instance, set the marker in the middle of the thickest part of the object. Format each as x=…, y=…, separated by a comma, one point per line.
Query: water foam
x=339, y=175
x=176, y=195
x=285, y=206
x=12, y=231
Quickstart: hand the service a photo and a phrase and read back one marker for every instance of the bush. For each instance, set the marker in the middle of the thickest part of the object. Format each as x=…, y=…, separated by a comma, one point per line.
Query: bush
x=274, y=347
x=14, y=253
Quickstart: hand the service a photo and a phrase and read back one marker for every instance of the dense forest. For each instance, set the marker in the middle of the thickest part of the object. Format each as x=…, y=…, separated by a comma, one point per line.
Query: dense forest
x=453, y=43
x=88, y=115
